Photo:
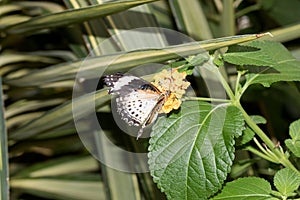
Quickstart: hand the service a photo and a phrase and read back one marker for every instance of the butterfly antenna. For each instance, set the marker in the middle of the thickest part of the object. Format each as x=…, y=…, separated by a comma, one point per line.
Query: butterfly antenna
x=172, y=79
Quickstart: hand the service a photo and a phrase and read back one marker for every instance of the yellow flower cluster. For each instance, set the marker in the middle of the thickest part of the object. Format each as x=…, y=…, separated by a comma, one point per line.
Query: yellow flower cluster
x=173, y=82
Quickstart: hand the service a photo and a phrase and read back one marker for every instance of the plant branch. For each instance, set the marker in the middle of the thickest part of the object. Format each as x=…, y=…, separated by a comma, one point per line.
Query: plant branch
x=276, y=152
x=205, y=99
x=258, y=153
x=237, y=83
x=226, y=86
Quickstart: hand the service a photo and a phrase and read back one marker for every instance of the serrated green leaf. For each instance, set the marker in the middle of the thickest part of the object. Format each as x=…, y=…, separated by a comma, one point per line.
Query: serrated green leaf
x=248, y=133
x=258, y=119
x=244, y=55
x=270, y=63
x=286, y=181
x=191, y=151
x=246, y=188
x=295, y=130
x=293, y=146
x=294, y=143
x=247, y=136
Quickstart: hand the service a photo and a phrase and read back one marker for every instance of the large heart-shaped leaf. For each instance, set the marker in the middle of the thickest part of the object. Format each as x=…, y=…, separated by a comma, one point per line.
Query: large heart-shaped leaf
x=191, y=151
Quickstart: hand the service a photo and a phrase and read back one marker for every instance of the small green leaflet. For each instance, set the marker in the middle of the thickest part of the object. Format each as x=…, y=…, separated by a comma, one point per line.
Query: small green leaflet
x=294, y=143
x=286, y=181
x=248, y=134
x=192, y=151
x=267, y=62
x=246, y=188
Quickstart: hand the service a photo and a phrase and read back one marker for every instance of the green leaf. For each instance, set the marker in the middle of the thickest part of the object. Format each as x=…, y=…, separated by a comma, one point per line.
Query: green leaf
x=246, y=188
x=294, y=143
x=277, y=10
x=286, y=181
x=267, y=62
x=74, y=16
x=4, y=156
x=258, y=119
x=248, y=133
x=10, y=58
x=121, y=61
x=88, y=188
x=190, y=19
x=61, y=166
x=198, y=59
x=191, y=151
x=4, y=9
x=247, y=136
x=60, y=115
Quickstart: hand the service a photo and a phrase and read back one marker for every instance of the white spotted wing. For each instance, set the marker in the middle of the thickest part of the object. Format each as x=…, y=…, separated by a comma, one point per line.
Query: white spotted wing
x=138, y=101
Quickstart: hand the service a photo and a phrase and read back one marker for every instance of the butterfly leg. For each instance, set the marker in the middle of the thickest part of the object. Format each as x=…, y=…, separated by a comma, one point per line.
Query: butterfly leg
x=140, y=132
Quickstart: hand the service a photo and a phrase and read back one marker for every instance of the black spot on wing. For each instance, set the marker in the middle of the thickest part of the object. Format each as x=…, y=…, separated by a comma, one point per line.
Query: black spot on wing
x=126, y=111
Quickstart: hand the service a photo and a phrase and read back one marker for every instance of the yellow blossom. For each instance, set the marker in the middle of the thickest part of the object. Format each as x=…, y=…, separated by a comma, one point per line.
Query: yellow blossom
x=171, y=103
x=174, y=82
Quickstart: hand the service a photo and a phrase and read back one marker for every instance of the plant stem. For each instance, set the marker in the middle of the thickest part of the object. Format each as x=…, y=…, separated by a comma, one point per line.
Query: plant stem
x=281, y=157
x=225, y=85
x=272, y=153
x=256, y=128
x=205, y=99
x=247, y=10
x=237, y=83
x=258, y=153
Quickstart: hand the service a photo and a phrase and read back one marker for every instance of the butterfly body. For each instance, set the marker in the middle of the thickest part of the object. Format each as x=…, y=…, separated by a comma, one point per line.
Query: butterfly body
x=138, y=101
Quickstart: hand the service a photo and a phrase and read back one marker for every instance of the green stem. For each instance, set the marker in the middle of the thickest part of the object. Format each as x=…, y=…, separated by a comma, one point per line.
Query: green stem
x=273, y=153
x=247, y=10
x=205, y=99
x=237, y=83
x=226, y=86
x=258, y=153
x=281, y=157
x=256, y=128
x=270, y=155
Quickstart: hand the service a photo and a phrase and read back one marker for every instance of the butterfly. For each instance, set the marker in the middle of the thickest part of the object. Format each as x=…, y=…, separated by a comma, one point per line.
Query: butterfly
x=138, y=101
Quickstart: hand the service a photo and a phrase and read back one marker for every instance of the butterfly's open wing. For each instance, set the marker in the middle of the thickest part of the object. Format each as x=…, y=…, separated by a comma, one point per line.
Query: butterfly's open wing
x=135, y=107
x=138, y=101
x=139, y=108
x=123, y=84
